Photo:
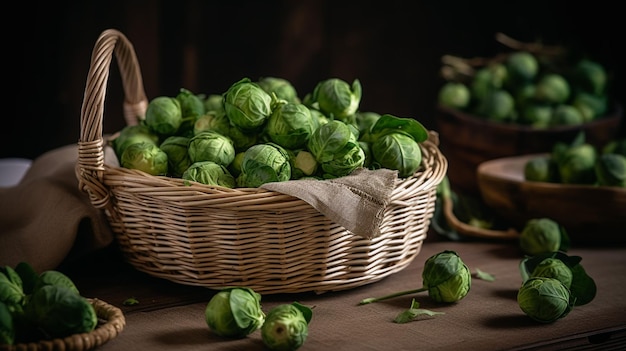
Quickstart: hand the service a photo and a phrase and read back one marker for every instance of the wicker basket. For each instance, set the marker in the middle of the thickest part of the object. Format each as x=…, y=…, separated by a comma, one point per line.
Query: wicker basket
x=111, y=323
x=217, y=237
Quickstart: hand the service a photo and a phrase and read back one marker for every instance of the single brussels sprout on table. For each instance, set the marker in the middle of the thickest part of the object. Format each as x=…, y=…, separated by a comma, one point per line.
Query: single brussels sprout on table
x=286, y=327
x=234, y=312
x=247, y=105
x=544, y=299
x=211, y=146
x=445, y=276
x=551, y=267
x=543, y=236
x=164, y=115
x=146, y=157
x=264, y=163
x=209, y=173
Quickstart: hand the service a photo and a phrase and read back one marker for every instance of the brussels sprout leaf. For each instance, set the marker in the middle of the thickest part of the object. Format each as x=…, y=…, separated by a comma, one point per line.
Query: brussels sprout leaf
x=391, y=124
x=413, y=313
x=484, y=275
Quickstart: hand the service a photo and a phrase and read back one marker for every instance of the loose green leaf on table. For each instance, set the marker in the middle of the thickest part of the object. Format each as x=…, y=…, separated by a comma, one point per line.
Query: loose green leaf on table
x=413, y=313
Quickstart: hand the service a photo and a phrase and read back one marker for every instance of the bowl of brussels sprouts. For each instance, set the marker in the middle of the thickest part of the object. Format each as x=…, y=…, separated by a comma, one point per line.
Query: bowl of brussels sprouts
x=519, y=102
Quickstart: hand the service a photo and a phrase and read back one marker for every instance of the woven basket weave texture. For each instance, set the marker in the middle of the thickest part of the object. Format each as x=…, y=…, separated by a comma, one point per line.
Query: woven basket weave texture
x=218, y=237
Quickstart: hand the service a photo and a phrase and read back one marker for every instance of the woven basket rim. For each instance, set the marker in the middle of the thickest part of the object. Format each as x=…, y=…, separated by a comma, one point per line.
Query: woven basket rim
x=111, y=322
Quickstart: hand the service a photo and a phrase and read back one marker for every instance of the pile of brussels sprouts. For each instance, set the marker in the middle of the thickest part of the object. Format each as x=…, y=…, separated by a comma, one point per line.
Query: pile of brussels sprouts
x=261, y=131
x=236, y=312
x=525, y=89
x=553, y=283
x=579, y=162
x=45, y=306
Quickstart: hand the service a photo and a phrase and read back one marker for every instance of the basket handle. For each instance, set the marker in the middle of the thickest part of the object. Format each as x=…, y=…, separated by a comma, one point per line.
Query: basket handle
x=90, y=165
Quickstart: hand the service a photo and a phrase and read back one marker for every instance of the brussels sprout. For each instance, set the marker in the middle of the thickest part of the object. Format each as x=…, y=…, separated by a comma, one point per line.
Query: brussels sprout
x=191, y=105
x=345, y=162
x=214, y=103
x=283, y=89
x=58, y=311
x=338, y=99
x=522, y=66
x=234, y=312
x=536, y=114
x=364, y=122
x=445, y=276
x=553, y=268
x=544, y=299
x=176, y=148
x=615, y=146
x=590, y=76
x=235, y=167
x=7, y=328
x=330, y=139
x=488, y=78
x=566, y=115
x=212, y=122
x=304, y=164
x=541, y=169
x=590, y=106
x=290, y=125
x=247, y=105
x=399, y=152
x=286, y=327
x=552, y=88
x=540, y=236
x=211, y=146
x=242, y=140
x=264, y=163
x=319, y=118
x=576, y=164
x=131, y=135
x=164, y=115
x=210, y=173
x=610, y=170
x=145, y=157
x=455, y=95
x=497, y=105
x=368, y=161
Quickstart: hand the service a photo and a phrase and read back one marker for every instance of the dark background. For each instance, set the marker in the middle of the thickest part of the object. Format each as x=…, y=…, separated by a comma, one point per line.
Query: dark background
x=393, y=47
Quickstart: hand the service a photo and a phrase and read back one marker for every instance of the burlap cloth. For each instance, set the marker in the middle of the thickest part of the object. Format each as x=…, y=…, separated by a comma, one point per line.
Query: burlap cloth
x=46, y=220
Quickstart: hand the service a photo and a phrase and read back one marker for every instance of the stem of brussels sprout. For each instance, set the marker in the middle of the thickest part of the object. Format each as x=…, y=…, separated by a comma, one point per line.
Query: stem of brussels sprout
x=400, y=293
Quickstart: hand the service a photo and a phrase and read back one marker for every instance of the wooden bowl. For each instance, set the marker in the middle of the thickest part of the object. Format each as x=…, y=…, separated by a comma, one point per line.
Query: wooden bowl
x=590, y=214
x=467, y=140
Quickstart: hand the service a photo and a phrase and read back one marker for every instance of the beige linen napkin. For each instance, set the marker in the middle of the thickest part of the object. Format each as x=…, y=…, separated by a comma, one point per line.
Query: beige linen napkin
x=46, y=219
x=356, y=202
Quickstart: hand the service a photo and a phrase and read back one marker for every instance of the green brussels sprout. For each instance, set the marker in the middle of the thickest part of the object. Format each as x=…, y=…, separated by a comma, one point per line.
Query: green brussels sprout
x=235, y=167
x=576, y=164
x=290, y=125
x=497, y=105
x=146, y=157
x=7, y=327
x=536, y=114
x=344, y=163
x=610, y=170
x=338, y=99
x=52, y=277
x=566, y=115
x=364, y=122
x=540, y=236
x=615, y=146
x=397, y=151
x=552, y=88
x=283, y=89
x=447, y=277
x=454, y=95
x=368, y=161
x=234, y=312
x=209, y=173
x=212, y=121
x=486, y=79
x=191, y=105
x=590, y=76
x=214, y=103
x=247, y=105
x=304, y=164
x=11, y=289
x=591, y=106
x=522, y=66
x=541, y=169
x=553, y=268
x=318, y=117
x=286, y=327
x=164, y=115
x=176, y=148
x=264, y=163
x=211, y=146
x=58, y=311
x=242, y=140
x=330, y=139
x=544, y=299
x=131, y=135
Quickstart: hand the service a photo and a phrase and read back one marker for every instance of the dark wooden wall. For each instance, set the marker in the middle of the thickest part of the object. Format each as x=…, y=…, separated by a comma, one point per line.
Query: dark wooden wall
x=393, y=47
